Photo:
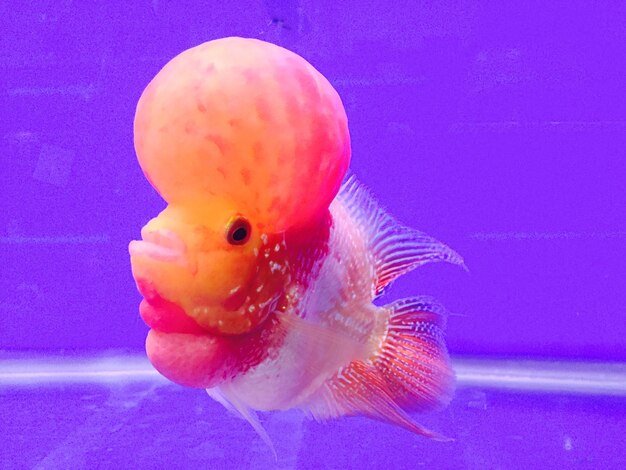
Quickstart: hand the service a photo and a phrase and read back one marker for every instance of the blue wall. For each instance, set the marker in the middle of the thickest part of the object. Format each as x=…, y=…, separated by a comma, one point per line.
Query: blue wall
x=501, y=130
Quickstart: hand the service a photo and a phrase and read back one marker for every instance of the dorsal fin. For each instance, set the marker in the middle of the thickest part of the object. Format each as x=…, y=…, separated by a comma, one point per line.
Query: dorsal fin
x=396, y=249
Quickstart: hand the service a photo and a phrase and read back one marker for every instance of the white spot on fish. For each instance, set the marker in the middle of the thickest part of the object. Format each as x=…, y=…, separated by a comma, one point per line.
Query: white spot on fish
x=277, y=248
x=264, y=238
x=234, y=289
x=201, y=310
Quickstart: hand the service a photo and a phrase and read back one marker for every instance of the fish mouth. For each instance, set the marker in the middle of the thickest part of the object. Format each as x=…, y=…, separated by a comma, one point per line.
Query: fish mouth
x=157, y=312
x=179, y=348
x=167, y=317
x=162, y=315
x=160, y=245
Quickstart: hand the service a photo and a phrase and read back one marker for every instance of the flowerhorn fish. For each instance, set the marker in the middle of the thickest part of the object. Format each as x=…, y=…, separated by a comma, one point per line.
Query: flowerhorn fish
x=258, y=277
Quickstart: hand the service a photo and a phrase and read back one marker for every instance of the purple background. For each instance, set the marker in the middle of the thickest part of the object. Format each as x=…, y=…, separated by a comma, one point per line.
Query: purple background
x=500, y=130
x=496, y=127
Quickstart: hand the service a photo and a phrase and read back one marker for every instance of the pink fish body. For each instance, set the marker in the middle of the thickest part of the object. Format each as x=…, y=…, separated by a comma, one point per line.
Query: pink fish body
x=259, y=277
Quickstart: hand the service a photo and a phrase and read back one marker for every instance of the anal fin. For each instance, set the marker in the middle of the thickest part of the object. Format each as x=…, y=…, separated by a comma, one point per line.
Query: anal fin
x=360, y=390
x=413, y=357
x=409, y=372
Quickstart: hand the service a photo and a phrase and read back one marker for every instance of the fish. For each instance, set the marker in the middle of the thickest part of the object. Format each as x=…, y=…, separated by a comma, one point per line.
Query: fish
x=259, y=276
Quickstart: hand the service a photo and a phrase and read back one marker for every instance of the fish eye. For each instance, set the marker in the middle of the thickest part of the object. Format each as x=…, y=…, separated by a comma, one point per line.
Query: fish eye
x=238, y=231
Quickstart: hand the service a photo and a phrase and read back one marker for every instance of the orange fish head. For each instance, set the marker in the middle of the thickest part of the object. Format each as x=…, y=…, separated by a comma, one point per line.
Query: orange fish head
x=213, y=262
x=245, y=141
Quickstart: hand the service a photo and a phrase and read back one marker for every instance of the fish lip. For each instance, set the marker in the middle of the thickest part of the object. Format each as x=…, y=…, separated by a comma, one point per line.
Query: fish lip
x=166, y=317
x=156, y=252
x=181, y=333
x=160, y=245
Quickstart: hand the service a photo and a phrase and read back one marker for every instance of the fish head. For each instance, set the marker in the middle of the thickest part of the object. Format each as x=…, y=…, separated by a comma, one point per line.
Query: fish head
x=210, y=279
x=214, y=263
x=244, y=140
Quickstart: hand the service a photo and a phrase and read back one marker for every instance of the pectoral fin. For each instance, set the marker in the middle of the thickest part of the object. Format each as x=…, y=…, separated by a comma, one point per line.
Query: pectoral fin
x=229, y=400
